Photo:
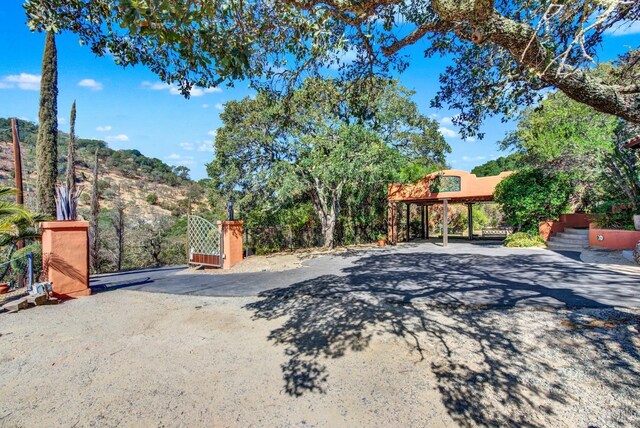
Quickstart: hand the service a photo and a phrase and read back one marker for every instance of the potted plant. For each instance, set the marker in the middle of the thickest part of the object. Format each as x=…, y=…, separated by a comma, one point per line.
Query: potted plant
x=382, y=240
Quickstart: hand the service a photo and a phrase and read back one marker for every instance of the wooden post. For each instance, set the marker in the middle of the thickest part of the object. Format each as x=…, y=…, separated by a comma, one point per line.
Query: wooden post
x=17, y=165
x=426, y=218
x=422, y=222
x=445, y=221
x=408, y=221
x=470, y=214
x=392, y=223
x=186, y=240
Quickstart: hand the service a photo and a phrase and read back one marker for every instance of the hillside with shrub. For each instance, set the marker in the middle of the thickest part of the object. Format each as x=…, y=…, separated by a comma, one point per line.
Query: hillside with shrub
x=146, y=184
x=152, y=197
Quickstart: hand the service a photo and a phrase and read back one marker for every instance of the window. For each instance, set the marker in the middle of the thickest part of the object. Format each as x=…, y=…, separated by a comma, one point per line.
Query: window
x=445, y=183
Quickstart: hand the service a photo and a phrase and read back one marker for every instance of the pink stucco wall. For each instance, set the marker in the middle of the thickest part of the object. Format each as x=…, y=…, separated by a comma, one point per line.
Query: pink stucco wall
x=614, y=239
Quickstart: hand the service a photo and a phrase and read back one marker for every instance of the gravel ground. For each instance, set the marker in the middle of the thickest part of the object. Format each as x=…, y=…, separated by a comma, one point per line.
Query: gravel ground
x=298, y=357
x=610, y=260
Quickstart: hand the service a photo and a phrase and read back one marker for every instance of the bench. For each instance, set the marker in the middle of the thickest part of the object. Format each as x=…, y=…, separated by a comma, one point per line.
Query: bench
x=496, y=232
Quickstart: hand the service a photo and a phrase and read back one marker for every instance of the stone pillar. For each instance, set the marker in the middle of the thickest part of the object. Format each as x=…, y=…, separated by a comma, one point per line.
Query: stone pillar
x=231, y=242
x=65, y=257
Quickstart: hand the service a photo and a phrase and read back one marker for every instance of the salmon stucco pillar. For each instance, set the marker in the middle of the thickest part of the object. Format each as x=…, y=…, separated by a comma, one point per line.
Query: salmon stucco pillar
x=232, y=242
x=65, y=257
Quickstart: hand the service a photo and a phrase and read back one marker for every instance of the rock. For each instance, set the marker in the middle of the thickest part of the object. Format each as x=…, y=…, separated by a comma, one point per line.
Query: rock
x=16, y=305
x=52, y=301
x=636, y=253
x=38, y=299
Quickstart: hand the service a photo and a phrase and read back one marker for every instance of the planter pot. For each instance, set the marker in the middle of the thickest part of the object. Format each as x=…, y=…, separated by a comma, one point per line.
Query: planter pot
x=636, y=221
x=382, y=242
x=4, y=287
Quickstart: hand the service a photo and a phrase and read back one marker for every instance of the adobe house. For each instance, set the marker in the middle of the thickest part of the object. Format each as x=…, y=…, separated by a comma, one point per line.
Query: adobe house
x=441, y=187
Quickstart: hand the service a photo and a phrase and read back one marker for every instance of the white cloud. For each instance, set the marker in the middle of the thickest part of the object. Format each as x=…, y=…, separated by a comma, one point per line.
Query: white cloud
x=626, y=28
x=24, y=81
x=62, y=121
x=473, y=158
x=446, y=121
x=212, y=133
x=470, y=139
x=219, y=106
x=174, y=90
x=104, y=128
x=206, y=146
x=120, y=138
x=447, y=133
x=345, y=57
x=205, y=105
x=186, y=146
x=91, y=84
x=176, y=159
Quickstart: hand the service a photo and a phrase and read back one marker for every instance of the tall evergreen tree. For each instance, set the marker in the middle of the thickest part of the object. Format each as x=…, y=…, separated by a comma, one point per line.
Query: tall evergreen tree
x=71, y=152
x=47, y=144
x=94, y=230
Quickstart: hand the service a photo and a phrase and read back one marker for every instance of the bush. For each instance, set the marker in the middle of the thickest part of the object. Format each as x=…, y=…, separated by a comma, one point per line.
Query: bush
x=152, y=199
x=522, y=239
x=530, y=196
x=614, y=215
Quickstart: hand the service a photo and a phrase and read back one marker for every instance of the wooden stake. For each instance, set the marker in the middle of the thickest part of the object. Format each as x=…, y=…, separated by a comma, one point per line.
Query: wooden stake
x=17, y=166
x=17, y=162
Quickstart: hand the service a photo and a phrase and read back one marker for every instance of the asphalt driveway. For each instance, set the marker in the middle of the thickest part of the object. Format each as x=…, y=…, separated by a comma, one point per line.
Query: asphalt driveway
x=463, y=274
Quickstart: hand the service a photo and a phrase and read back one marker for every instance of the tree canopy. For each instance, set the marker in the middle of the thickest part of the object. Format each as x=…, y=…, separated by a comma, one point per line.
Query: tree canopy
x=512, y=162
x=325, y=143
x=504, y=52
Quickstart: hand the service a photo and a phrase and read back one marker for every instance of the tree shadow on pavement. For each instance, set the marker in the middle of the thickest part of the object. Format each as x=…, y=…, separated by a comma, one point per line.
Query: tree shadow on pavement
x=450, y=312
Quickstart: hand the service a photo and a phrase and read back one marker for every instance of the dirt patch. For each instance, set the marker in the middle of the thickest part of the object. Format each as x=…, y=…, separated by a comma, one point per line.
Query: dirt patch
x=276, y=262
x=293, y=359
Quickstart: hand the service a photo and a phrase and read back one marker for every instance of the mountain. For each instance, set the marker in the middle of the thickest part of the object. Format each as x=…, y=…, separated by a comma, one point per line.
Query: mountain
x=146, y=185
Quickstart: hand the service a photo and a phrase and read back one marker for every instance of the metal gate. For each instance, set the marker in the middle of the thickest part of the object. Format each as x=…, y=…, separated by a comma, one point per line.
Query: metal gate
x=204, y=242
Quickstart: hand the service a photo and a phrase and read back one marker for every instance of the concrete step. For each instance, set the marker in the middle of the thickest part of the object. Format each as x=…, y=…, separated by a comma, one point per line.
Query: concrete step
x=563, y=246
x=569, y=242
x=572, y=237
x=581, y=232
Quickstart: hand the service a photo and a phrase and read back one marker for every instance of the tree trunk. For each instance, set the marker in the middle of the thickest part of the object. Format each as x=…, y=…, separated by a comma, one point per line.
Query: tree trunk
x=118, y=224
x=328, y=230
x=47, y=143
x=327, y=207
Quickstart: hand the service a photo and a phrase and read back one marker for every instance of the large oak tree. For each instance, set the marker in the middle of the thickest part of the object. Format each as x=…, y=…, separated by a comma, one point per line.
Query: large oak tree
x=328, y=138
x=504, y=51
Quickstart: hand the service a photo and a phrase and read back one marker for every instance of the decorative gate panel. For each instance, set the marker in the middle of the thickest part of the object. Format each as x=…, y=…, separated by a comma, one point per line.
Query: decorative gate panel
x=205, y=242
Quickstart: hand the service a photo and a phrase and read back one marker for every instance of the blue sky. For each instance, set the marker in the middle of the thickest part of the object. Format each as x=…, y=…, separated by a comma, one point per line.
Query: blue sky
x=131, y=108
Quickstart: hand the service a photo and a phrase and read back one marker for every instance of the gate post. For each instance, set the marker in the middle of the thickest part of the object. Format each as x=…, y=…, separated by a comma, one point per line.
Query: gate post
x=231, y=242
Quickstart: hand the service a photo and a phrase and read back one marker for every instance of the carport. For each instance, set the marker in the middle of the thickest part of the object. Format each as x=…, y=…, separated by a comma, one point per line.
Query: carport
x=441, y=187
